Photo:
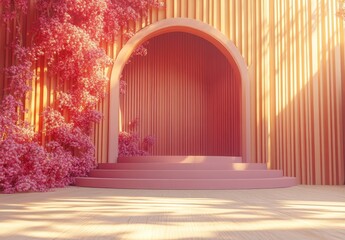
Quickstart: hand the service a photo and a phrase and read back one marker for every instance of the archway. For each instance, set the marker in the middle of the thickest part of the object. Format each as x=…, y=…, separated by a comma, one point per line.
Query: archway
x=181, y=25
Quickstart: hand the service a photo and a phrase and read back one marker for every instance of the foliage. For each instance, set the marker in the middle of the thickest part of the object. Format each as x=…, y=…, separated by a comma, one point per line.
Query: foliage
x=12, y=8
x=68, y=34
x=129, y=142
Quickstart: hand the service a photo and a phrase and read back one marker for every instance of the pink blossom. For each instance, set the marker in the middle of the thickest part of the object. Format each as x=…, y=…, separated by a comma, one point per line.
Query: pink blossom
x=130, y=144
x=12, y=7
x=68, y=34
x=148, y=142
x=123, y=86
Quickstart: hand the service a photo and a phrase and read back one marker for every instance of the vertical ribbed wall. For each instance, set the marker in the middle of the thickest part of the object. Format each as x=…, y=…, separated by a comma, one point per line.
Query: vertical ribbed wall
x=306, y=86
x=184, y=93
x=295, y=53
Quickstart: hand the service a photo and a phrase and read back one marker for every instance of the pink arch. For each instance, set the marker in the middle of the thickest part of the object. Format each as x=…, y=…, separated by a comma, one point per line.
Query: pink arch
x=179, y=25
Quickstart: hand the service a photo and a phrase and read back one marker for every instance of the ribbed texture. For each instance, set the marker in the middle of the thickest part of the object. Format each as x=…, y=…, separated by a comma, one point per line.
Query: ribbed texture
x=295, y=53
x=185, y=94
x=306, y=92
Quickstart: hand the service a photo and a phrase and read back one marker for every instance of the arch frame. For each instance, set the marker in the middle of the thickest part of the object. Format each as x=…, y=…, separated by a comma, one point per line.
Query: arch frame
x=194, y=27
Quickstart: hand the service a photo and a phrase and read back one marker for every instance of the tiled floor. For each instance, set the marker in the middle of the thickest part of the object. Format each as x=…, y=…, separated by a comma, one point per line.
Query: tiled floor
x=298, y=213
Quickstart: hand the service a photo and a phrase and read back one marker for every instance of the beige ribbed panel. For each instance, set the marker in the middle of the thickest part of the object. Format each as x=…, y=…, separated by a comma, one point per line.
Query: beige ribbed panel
x=308, y=114
x=296, y=56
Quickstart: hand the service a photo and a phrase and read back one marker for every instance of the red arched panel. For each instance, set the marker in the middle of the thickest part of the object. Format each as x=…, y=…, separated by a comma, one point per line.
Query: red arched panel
x=186, y=94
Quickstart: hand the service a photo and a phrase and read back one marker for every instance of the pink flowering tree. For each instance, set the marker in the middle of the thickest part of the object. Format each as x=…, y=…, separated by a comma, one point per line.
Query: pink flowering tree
x=68, y=34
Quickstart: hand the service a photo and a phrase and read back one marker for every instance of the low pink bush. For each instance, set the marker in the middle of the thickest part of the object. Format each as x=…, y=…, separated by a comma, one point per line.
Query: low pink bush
x=130, y=143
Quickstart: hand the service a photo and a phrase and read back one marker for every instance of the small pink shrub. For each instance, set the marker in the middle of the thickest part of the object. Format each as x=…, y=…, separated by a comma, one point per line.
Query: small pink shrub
x=130, y=144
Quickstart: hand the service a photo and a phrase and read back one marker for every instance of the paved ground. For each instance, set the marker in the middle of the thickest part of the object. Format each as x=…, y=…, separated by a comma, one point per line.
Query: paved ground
x=297, y=213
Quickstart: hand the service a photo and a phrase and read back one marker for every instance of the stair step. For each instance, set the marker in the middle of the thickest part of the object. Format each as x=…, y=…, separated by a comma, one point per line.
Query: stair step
x=184, y=184
x=180, y=159
x=184, y=166
x=185, y=174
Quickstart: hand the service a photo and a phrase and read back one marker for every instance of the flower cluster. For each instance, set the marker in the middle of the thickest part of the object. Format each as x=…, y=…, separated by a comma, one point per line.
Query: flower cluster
x=68, y=34
x=130, y=144
x=121, y=12
x=123, y=86
x=23, y=165
x=148, y=142
x=11, y=8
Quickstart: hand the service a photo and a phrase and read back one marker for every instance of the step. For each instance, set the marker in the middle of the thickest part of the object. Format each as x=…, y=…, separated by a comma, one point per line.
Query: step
x=184, y=166
x=180, y=159
x=185, y=174
x=184, y=184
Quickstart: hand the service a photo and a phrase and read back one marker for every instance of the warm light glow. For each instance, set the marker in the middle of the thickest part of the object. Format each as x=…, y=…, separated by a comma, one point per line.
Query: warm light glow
x=158, y=215
x=294, y=50
x=341, y=11
x=239, y=166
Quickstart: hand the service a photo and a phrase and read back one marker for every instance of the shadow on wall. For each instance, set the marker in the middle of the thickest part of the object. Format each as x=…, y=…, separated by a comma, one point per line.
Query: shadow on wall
x=308, y=137
x=300, y=119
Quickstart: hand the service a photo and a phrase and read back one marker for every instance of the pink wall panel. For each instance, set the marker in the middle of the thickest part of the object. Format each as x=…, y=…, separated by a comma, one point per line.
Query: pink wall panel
x=186, y=94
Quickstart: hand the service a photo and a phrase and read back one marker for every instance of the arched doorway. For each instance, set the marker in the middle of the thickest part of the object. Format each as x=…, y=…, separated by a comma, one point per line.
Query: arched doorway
x=196, y=28
x=186, y=94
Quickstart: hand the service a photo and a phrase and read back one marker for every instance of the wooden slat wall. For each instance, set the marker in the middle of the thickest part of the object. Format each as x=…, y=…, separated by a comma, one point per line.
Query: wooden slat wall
x=295, y=53
x=308, y=139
